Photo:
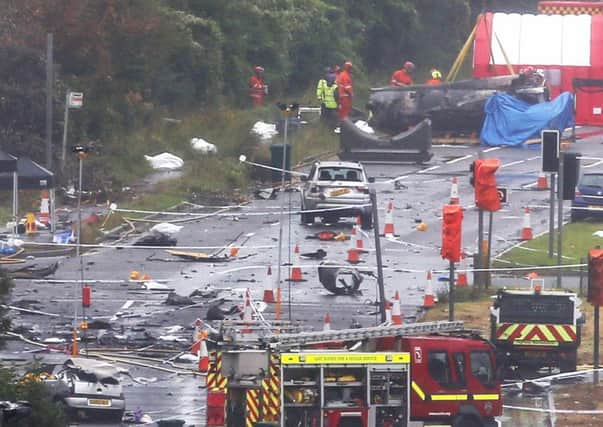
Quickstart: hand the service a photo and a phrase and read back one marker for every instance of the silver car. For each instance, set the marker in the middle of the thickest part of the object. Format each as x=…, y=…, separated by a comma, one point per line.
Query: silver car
x=88, y=389
x=336, y=189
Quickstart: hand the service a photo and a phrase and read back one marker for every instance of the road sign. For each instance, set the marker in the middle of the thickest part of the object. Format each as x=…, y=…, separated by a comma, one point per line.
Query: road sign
x=75, y=100
x=550, y=150
x=503, y=194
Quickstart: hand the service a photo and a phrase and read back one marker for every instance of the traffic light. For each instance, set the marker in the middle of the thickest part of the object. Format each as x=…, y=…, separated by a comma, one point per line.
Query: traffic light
x=486, y=193
x=571, y=173
x=452, y=222
x=595, y=277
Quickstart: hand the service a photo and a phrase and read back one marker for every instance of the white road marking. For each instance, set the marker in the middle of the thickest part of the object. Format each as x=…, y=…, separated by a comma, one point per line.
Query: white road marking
x=512, y=164
x=450, y=162
x=429, y=169
x=492, y=149
x=592, y=165
x=127, y=305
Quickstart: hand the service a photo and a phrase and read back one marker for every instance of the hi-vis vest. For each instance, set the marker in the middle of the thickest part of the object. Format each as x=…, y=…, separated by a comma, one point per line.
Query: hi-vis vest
x=326, y=94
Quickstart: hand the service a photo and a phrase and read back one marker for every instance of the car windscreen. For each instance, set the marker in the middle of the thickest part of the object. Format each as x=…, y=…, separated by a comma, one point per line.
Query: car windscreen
x=592, y=180
x=340, y=174
x=553, y=309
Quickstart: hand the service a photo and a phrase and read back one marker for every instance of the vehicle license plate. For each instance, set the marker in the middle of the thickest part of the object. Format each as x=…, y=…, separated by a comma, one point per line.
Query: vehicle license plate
x=596, y=208
x=99, y=402
x=339, y=192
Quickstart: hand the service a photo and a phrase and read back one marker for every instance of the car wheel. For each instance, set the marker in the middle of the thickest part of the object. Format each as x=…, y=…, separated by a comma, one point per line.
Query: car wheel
x=366, y=221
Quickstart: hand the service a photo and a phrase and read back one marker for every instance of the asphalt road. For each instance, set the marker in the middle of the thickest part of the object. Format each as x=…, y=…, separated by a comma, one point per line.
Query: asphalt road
x=418, y=193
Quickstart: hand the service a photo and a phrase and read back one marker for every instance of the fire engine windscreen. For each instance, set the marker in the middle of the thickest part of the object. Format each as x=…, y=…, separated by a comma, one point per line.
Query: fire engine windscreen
x=535, y=309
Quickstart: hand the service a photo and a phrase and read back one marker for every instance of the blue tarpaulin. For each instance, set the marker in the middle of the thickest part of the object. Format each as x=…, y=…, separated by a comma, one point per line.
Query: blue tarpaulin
x=511, y=121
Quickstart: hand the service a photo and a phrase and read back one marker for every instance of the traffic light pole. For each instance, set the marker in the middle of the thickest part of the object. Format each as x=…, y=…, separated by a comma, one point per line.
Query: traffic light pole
x=596, y=344
x=451, y=293
x=552, y=215
x=480, y=252
x=560, y=218
x=487, y=274
x=373, y=195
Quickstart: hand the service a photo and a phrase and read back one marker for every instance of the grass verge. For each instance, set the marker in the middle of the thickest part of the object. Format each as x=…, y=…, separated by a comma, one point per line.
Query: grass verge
x=578, y=239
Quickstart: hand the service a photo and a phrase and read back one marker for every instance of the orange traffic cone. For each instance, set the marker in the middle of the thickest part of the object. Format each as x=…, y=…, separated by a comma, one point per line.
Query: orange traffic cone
x=233, y=251
x=388, y=228
x=203, y=356
x=353, y=252
x=428, y=297
x=388, y=312
x=461, y=278
x=396, y=310
x=327, y=325
x=454, y=192
x=247, y=315
x=45, y=208
x=542, y=183
x=268, y=288
x=196, y=346
x=526, y=230
x=358, y=232
x=296, y=272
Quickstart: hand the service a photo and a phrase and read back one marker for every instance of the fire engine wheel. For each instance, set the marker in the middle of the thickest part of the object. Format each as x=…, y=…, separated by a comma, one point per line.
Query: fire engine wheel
x=466, y=421
x=567, y=365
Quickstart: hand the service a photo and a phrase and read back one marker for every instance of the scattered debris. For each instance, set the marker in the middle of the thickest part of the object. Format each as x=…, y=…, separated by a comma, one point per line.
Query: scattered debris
x=156, y=239
x=264, y=130
x=198, y=256
x=202, y=146
x=333, y=280
x=165, y=161
x=329, y=235
x=166, y=228
x=364, y=126
x=152, y=285
x=318, y=254
x=179, y=300
x=215, y=312
x=265, y=193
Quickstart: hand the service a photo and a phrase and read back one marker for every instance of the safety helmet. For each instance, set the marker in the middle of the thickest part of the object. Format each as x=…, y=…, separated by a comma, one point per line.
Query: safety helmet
x=259, y=69
x=435, y=74
x=409, y=66
x=347, y=65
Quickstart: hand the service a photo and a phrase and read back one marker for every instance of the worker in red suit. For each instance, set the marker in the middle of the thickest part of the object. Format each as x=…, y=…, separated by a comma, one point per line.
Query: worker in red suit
x=403, y=76
x=345, y=90
x=257, y=87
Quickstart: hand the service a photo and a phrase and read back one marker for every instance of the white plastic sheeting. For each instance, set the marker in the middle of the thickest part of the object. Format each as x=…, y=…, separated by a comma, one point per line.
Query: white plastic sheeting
x=541, y=39
x=202, y=146
x=166, y=228
x=264, y=130
x=165, y=161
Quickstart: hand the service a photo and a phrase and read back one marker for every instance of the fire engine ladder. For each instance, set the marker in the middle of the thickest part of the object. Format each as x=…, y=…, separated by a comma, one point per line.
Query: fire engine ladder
x=283, y=341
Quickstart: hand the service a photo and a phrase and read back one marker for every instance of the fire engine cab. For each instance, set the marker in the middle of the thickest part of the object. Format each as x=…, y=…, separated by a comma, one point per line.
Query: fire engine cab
x=299, y=380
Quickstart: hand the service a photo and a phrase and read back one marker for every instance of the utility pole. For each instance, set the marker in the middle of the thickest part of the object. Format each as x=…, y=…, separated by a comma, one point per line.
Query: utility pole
x=49, y=96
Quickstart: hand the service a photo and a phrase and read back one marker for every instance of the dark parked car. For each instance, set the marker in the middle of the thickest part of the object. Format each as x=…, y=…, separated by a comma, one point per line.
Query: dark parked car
x=588, y=201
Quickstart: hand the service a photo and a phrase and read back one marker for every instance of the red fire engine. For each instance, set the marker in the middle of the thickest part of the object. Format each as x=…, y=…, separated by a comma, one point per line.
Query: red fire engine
x=383, y=376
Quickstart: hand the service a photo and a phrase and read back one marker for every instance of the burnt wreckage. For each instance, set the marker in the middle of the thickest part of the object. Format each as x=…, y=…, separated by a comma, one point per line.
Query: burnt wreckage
x=411, y=113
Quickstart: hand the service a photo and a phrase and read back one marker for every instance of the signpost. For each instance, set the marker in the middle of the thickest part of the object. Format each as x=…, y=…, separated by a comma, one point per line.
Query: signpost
x=73, y=100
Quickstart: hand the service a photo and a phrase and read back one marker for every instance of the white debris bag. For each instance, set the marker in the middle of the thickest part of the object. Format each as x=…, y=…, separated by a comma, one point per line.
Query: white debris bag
x=598, y=233
x=165, y=161
x=364, y=126
x=264, y=130
x=166, y=228
x=203, y=146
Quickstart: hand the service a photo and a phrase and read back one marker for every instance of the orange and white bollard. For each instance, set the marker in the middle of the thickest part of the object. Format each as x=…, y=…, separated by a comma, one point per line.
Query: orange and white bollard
x=269, y=288
x=541, y=183
x=359, y=236
x=526, y=229
x=247, y=313
x=461, y=277
x=428, y=297
x=203, y=355
x=454, y=192
x=353, y=252
x=388, y=312
x=388, y=228
x=296, y=271
x=45, y=208
x=396, y=310
x=327, y=325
